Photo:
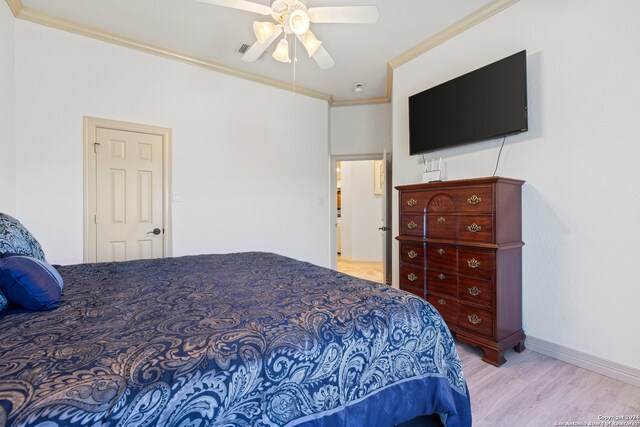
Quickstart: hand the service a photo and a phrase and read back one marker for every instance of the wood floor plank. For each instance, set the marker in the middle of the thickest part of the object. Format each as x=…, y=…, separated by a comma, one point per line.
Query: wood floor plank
x=540, y=402
x=531, y=389
x=368, y=270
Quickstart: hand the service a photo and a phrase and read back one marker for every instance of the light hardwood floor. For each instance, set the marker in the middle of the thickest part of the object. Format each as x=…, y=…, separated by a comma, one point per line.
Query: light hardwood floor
x=362, y=269
x=531, y=389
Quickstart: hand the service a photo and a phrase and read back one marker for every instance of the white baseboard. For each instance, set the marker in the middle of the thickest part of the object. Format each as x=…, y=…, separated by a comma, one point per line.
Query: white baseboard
x=593, y=363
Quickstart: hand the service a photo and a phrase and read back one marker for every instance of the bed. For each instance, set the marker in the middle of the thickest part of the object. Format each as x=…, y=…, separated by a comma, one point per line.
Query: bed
x=244, y=339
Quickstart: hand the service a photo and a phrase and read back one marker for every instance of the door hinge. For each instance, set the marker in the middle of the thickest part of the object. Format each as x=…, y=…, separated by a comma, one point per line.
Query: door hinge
x=96, y=145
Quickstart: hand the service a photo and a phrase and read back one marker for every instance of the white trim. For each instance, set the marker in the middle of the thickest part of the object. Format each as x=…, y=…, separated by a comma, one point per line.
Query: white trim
x=368, y=101
x=117, y=39
x=15, y=6
x=334, y=189
x=451, y=31
x=89, y=230
x=448, y=33
x=588, y=361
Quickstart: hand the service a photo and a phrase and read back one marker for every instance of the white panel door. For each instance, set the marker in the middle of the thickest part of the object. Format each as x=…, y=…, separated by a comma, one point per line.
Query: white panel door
x=387, y=240
x=128, y=195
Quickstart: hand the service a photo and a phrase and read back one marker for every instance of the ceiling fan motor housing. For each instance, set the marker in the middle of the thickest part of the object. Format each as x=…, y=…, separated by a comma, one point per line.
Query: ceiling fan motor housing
x=281, y=10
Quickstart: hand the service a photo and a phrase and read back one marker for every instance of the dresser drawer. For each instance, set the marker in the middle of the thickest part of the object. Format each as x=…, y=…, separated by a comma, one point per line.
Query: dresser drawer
x=412, y=225
x=468, y=235
x=476, y=291
x=476, y=263
x=442, y=226
x=442, y=282
x=412, y=279
x=442, y=257
x=413, y=201
x=476, y=320
x=473, y=199
x=448, y=308
x=475, y=228
x=411, y=253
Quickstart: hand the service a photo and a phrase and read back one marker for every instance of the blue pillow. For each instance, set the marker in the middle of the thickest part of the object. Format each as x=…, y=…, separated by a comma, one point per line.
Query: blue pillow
x=15, y=238
x=30, y=283
x=3, y=302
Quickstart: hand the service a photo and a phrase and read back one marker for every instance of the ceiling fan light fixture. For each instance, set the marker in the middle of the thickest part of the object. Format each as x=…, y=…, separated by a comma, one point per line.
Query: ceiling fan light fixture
x=263, y=30
x=299, y=21
x=282, y=51
x=311, y=43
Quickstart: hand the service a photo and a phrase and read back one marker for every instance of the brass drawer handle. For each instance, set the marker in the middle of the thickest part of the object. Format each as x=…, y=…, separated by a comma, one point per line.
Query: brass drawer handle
x=474, y=200
x=474, y=291
x=441, y=219
x=441, y=251
x=412, y=277
x=412, y=254
x=474, y=319
x=473, y=263
x=412, y=225
x=412, y=202
x=474, y=228
x=441, y=301
x=441, y=276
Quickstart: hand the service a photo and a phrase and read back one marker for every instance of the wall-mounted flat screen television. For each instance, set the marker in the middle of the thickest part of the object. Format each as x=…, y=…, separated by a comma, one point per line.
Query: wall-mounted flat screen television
x=486, y=103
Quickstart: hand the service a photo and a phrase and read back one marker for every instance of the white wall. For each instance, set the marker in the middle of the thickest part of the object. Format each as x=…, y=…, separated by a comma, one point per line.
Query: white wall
x=579, y=158
x=7, y=140
x=357, y=132
x=361, y=213
x=362, y=129
x=250, y=162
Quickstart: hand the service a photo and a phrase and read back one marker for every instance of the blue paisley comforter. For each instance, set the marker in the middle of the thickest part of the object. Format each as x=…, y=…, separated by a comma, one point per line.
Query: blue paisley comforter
x=248, y=339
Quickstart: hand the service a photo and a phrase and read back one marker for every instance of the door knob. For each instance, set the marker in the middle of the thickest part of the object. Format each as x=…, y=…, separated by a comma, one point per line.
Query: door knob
x=155, y=231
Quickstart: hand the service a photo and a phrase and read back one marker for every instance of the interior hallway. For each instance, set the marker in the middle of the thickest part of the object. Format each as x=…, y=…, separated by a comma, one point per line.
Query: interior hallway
x=363, y=269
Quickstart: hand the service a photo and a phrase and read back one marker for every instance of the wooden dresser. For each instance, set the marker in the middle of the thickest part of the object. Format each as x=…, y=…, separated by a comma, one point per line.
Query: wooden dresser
x=461, y=249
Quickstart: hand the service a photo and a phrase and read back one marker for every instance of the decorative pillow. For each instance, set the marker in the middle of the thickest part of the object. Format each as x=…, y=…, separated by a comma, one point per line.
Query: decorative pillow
x=30, y=283
x=15, y=238
x=3, y=302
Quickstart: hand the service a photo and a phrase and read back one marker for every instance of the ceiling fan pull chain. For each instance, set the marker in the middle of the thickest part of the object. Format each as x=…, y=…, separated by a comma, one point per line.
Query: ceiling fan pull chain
x=295, y=61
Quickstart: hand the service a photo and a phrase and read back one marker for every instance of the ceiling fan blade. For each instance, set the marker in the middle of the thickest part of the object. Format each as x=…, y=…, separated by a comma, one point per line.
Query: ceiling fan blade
x=242, y=5
x=344, y=14
x=322, y=57
x=310, y=42
x=254, y=52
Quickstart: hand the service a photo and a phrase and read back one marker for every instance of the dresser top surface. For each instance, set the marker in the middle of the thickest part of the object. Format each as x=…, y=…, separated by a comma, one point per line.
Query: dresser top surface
x=460, y=183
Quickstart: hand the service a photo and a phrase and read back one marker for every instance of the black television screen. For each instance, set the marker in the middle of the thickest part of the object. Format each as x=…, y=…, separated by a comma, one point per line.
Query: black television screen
x=487, y=103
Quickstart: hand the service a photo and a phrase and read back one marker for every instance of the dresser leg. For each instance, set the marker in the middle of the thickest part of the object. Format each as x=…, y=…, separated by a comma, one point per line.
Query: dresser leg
x=493, y=356
x=519, y=347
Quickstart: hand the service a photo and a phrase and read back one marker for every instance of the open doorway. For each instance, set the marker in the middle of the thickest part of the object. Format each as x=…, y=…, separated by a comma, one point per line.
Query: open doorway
x=360, y=226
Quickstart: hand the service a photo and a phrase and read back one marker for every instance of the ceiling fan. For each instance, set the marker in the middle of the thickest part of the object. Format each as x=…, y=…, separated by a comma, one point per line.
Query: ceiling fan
x=293, y=17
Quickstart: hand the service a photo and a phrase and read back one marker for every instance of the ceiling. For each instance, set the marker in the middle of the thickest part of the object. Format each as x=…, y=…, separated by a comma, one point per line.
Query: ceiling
x=213, y=34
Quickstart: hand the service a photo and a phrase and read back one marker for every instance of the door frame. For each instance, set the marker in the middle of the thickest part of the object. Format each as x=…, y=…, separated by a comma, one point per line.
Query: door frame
x=91, y=125
x=333, y=256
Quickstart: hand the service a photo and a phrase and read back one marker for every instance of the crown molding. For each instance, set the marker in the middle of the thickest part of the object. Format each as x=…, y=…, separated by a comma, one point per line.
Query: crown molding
x=15, y=6
x=19, y=11
x=389, y=81
x=437, y=39
x=98, y=34
x=452, y=31
x=353, y=102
